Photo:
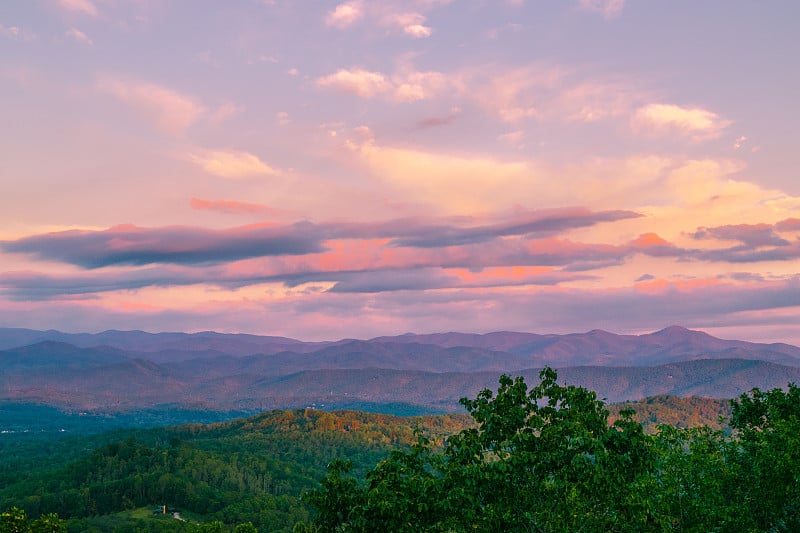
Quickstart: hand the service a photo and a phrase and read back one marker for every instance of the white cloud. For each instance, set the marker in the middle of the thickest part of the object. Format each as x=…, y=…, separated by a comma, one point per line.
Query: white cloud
x=697, y=123
x=78, y=36
x=81, y=6
x=608, y=8
x=172, y=111
x=357, y=81
x=232, y=164
x=345, y=14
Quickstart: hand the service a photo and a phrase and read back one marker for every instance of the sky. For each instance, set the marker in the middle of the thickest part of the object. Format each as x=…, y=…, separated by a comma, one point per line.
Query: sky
x=323, y=169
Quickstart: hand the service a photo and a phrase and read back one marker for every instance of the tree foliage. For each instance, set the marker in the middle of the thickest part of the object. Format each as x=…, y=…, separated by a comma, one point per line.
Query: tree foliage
x=548, y=460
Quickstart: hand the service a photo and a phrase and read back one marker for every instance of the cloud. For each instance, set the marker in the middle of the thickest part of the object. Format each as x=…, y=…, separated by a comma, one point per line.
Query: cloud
x=133, y=245
x=546, y=92
x=699, y=124
x=441, y=120
x=751, y=235
x=789, y=224
x=229, y=207
x=357, y=81
x=413, y=86
x=653, y=245
x=178, y=244
x=16, y=33
x=78, y=36
x=385, y=15
x=85, y=7
x=608, y=8
x=406, y=85
x=345, y=14
x=232, y=164
x=513, y=138
x=411, y=24
x=450, y=183
x=759, y=243
x=225, y=112
x=172, y=111
x=537, y=223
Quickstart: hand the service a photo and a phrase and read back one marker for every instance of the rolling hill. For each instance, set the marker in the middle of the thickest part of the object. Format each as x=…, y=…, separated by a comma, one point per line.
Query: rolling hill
x=121, y=371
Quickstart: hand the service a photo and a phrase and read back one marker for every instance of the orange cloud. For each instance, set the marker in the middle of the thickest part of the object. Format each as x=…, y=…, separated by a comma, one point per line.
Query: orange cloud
x=649, y=239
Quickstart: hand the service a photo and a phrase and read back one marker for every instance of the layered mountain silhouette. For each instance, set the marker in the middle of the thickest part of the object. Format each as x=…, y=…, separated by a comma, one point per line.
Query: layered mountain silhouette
x=127, y=370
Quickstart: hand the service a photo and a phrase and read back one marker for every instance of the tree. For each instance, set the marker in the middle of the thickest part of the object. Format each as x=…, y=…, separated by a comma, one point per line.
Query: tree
x=766, y=458
x=540, y=460
x=49, y=523
x=14, y=520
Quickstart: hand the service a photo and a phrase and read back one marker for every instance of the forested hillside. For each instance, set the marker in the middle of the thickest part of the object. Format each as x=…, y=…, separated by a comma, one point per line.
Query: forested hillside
x=265, y=470
x=248, y=470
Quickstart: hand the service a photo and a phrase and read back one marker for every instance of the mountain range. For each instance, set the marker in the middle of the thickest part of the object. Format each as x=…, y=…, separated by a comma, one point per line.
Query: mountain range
x=118, y=371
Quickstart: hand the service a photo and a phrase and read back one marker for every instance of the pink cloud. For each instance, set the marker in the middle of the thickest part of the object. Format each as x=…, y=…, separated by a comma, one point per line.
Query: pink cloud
x=230, y=207
x=789, y=224
x=85, y=7
x=171, y=111
x=345, y=14
x=78, y=36
x=608, y=8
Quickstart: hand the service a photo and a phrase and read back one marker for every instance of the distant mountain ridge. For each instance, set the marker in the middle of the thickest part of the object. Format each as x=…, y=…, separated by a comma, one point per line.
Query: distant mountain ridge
x=120, y=370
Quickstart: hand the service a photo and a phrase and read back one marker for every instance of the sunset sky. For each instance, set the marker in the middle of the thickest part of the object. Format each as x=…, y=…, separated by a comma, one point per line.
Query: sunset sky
x=323, y=170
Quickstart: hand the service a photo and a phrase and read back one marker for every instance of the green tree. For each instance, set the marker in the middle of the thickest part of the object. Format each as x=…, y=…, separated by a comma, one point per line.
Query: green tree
x=49, y=523
x=766, y=457
x=14, y=520
x=540, y=460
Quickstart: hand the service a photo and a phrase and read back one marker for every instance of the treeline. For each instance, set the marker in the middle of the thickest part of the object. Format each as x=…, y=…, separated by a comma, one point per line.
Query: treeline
x=548, y=460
